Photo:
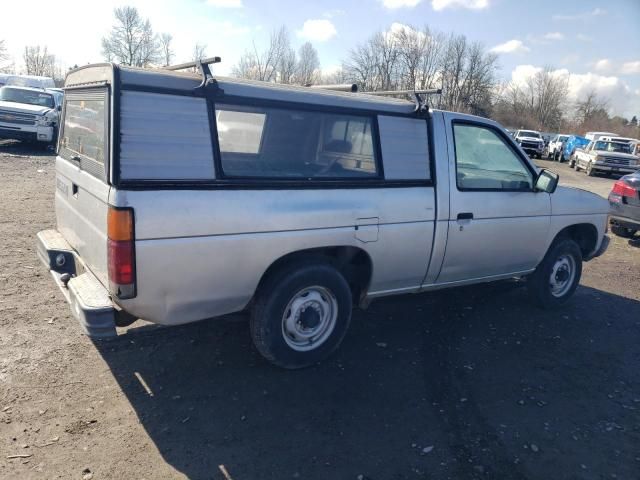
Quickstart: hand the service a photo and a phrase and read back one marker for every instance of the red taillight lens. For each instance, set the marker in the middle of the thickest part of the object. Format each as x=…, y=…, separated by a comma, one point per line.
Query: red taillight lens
x=621, y=188
x=120, y=262
x=121, y=252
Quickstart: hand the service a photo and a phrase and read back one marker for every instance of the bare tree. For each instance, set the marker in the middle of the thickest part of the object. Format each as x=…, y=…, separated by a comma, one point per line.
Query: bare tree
x=419, y=52
x=287, y=67
x=165, y=40
x=266, y=65
x=590, y=107
x=308, y=65
x=198, y=53
x=5, y=66
x=546, y=97
x=38, y=61
x=131, y=41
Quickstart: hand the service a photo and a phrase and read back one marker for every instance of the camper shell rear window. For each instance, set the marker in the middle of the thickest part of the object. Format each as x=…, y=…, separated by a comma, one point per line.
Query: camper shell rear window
x=84, y=134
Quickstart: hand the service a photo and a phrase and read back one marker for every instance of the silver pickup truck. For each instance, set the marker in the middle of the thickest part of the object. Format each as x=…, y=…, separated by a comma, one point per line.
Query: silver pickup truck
x=606, y=156
x=180, y=198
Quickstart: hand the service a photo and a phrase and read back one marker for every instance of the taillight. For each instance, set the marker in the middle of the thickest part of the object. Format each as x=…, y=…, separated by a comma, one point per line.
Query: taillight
x=624, y=190
x=121, y=252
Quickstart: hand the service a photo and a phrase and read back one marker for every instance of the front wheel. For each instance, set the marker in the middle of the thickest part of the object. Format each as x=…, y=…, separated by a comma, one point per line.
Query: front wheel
x=557, y=277
x=301, y=314
x=589, y=170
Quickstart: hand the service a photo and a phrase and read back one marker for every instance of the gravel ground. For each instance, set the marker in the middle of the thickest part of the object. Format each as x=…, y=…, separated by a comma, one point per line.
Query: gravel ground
x=465, y=383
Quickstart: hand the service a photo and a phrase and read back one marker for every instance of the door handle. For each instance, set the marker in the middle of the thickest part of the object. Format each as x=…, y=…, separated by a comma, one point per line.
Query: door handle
x=465, y=216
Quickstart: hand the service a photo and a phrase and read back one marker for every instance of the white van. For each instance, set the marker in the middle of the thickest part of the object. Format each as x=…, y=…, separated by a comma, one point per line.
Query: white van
x=180, y=198
x=597, y=135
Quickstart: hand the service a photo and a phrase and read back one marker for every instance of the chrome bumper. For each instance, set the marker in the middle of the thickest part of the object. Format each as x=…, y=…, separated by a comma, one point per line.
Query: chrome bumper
x=89, y=300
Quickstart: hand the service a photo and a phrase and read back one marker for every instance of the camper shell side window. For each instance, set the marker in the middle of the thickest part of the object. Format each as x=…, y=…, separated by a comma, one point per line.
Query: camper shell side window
x=295, y=144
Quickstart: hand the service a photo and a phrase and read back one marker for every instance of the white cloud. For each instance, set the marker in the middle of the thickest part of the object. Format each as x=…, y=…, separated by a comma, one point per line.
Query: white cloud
x=319, y=30
x=596, y=12
x=511, y=46
x=630, y=68
x=225, y=3
x=553, y=36
x=393, y=4
x=622, y=99
x=336, y=12
x=603, y=65
x=470, y=4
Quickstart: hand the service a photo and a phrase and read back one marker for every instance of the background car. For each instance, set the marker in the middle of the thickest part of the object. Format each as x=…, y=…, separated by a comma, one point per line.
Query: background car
x=624, y=202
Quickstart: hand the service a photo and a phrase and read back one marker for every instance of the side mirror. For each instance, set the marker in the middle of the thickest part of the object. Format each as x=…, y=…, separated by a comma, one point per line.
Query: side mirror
x=59, y=108
x=547, y=181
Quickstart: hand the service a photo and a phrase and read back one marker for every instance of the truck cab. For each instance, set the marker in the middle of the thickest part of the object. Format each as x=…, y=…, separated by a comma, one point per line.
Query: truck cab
x=182, y=197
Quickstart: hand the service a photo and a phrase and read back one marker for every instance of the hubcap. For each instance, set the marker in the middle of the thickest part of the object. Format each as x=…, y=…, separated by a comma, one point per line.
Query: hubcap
x=309, y=318
x=562, y=275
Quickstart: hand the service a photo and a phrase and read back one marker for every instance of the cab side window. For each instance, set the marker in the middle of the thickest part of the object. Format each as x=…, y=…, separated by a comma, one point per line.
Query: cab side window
x=484, y=161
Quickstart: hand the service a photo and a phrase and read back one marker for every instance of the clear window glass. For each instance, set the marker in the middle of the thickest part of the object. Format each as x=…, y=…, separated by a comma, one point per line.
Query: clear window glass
x=485, y=162
x=294, y=144
x=84, y=128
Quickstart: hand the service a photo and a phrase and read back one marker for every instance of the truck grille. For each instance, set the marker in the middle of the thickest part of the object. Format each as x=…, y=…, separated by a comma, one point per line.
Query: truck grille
x=17, y=118
x=530, y=145
x=617, y=161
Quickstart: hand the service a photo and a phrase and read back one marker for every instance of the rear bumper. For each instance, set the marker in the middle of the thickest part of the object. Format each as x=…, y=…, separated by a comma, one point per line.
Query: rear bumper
x=89, y=300
x=626, y=222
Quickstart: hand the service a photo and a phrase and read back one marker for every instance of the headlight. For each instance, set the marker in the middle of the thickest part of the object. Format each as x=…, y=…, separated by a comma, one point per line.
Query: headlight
x=597, y=158
x=46, y=121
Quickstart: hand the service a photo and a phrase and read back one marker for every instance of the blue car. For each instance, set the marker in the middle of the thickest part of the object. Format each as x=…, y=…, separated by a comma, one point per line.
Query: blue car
x=569, y=148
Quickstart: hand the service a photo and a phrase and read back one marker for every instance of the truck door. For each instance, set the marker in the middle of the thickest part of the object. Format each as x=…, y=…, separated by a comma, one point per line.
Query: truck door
x=498, y=224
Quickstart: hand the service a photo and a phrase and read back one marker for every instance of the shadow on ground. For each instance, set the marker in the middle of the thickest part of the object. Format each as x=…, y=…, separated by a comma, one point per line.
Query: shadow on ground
x=25, y=149
x=498, y=388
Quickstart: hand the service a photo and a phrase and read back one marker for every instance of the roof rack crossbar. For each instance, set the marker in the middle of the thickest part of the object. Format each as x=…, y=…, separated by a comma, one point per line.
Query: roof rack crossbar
x=203, y=67
x=421, y=103
x=346, y=87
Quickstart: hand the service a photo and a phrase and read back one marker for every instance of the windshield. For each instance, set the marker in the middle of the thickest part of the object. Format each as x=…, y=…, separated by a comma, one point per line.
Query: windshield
x=528, y=133
x=563, y=138
x=31, y=97
x=613, y=147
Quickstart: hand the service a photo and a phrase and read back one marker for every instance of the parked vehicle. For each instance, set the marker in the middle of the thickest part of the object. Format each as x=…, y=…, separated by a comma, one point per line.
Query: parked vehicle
x=598, y=135
x=28, y=114
x=222, y=195
x=531, y=142
x=32, y=81
x=607, y=157
x=568, y=151
x=624, y=201
x=555, y=147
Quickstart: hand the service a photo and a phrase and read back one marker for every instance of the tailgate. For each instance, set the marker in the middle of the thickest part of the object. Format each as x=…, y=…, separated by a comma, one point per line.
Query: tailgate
x=82, y=189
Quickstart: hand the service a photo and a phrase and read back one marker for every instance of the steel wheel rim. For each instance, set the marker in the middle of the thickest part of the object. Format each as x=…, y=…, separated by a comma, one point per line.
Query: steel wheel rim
x=309, y=318
x=562, y=275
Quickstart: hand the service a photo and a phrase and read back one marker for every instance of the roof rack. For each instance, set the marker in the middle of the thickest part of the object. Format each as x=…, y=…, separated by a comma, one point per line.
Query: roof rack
x=340, y=87
x=202, y=65
x=421, y=103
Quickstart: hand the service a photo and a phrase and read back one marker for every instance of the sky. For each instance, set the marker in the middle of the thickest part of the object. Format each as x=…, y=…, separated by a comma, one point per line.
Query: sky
x=595, y=44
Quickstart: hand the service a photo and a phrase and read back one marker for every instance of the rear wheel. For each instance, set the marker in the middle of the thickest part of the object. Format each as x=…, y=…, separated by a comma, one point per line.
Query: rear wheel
x=623, y=231
x=557, y=277
x=301, y=314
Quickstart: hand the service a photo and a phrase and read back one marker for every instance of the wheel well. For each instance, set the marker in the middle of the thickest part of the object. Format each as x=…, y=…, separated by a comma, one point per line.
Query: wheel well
x=584, y=234
x=352, y=262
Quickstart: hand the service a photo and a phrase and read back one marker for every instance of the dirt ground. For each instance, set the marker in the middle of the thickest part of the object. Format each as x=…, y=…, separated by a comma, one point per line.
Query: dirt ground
x=459, y=384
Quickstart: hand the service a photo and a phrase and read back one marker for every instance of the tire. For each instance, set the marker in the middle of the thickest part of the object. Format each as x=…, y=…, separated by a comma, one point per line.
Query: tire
x=311, y=286
x=589, y=170
x=572, y=162
x=623, y=231
x=564, y=257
